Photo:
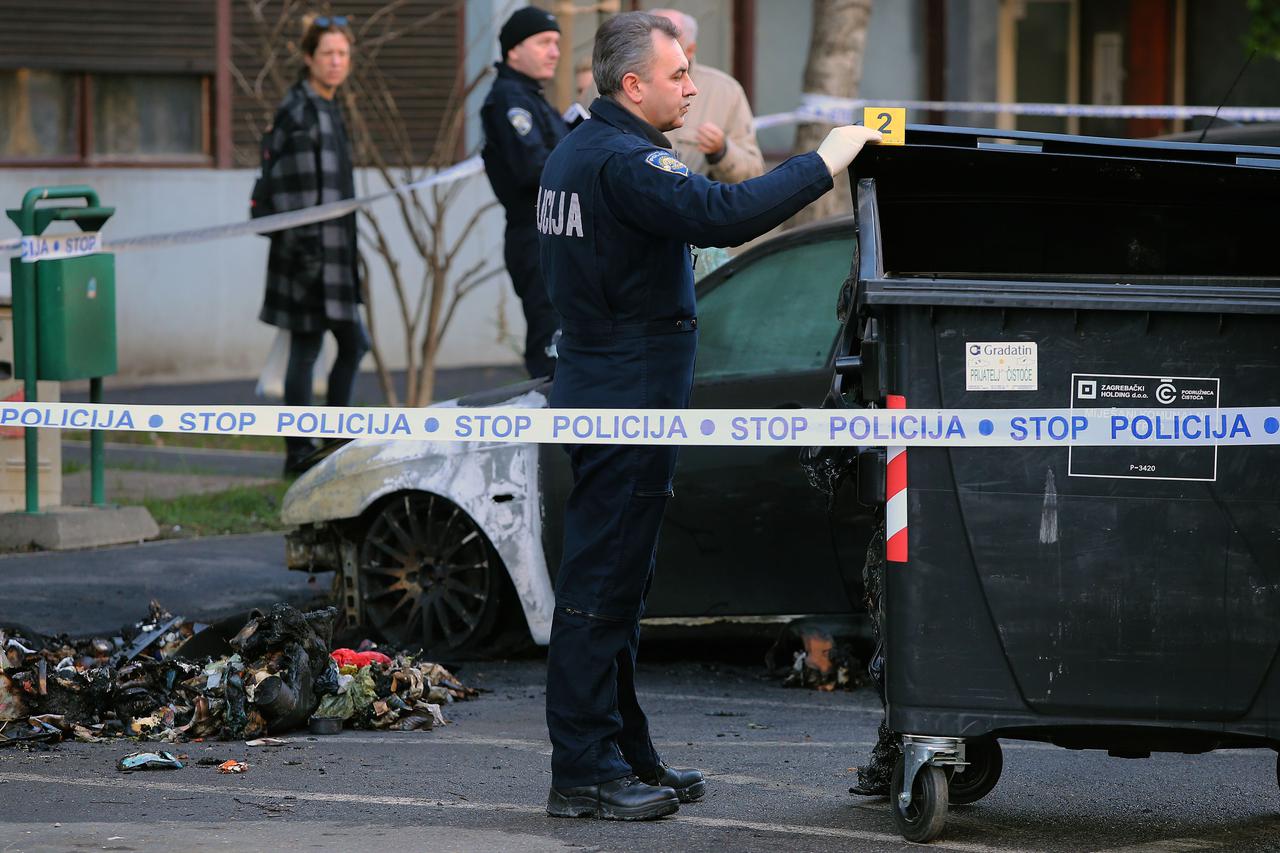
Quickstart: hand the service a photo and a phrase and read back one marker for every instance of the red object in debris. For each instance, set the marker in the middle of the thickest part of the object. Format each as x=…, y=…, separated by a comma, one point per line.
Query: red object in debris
x=350, y=657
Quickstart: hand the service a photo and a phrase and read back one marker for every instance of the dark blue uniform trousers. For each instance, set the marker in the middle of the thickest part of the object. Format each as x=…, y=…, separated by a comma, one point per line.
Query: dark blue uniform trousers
x=520, y=252
x=612, y=519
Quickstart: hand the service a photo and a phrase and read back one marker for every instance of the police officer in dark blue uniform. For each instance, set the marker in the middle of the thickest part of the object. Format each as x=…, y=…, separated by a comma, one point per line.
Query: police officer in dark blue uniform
x=520, y=130
x=616, y=212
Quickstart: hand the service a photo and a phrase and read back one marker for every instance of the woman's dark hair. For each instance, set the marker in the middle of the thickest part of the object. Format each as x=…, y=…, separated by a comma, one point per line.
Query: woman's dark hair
x=318, y=26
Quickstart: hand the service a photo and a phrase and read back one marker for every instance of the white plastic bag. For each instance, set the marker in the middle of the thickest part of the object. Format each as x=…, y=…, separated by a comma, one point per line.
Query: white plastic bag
x=271, y=380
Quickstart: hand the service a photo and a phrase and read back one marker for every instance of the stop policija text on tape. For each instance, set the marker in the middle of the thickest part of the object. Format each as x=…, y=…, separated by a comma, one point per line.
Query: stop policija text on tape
x=746, y=427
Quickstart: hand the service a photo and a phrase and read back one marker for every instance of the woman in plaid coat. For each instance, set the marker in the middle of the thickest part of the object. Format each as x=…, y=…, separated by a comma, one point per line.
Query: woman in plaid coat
x=312, y=280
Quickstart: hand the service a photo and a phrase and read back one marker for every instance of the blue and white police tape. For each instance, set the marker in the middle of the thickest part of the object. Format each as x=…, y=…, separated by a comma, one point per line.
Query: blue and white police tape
x=844, y=110
x=32, y=249
x=725, y=427
x=28, y=246
x=820, y=108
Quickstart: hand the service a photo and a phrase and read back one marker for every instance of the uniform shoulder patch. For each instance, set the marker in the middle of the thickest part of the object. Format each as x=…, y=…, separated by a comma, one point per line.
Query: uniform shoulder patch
x=521, y=120
x=664, y=161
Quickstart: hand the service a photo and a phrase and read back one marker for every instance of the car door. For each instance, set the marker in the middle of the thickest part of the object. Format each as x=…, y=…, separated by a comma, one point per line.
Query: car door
x=745, y=533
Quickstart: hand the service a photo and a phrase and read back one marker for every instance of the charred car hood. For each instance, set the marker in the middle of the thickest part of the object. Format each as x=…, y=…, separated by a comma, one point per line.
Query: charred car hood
x=346, y=482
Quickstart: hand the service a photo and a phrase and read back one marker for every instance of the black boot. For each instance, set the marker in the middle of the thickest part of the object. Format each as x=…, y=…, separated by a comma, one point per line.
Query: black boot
x=688, y=784
x=620, y=799
x=299, y=456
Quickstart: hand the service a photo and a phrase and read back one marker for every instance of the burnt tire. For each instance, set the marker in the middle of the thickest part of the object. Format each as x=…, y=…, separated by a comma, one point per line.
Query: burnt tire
x=926, y=817
x=985, y=761
x=429, y=575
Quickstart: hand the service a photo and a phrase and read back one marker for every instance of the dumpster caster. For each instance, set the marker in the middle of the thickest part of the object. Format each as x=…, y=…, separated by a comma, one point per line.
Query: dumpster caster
x=984, y=761
x=923, y=819
x=918, y=791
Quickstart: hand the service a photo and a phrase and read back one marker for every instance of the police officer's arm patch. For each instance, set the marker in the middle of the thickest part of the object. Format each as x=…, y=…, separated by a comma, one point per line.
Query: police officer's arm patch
x=663, y=161
x=521, y=120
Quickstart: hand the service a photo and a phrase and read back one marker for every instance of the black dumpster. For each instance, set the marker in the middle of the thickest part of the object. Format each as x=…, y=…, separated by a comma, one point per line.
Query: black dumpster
x=1122, y=599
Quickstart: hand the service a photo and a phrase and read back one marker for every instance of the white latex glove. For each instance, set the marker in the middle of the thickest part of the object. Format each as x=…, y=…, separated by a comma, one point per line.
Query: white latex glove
x=843, y=144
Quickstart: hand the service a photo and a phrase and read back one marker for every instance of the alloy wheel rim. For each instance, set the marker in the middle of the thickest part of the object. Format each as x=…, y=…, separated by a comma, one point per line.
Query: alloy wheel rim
x=426, y=571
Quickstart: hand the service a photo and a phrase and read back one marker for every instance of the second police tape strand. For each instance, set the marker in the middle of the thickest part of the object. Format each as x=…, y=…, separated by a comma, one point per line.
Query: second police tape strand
x=1168, y=427
x=814, y=108
x=276, y=221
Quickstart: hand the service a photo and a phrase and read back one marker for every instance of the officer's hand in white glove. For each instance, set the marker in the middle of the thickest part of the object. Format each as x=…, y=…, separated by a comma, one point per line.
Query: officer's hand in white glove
x=843, y=144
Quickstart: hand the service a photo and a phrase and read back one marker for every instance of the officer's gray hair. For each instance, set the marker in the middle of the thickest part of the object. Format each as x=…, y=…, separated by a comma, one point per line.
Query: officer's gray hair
x=624, y=45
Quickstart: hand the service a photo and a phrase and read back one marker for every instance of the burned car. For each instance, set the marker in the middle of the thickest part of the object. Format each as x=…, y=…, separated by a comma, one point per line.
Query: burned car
x=456, y=545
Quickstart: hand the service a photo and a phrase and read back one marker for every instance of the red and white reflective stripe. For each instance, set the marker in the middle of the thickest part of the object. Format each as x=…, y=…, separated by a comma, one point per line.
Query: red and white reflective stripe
x=895, y=493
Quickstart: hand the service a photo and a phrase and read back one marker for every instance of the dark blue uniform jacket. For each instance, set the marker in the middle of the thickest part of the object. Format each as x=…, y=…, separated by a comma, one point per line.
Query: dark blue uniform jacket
x=616, y=213
x=520, y=131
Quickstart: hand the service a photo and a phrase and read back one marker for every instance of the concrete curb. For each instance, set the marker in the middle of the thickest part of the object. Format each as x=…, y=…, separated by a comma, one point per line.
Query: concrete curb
x=68, y=528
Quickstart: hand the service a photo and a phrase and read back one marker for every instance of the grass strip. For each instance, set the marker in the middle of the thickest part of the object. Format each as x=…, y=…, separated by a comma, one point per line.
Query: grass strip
x=214, y=441
x=246, y=509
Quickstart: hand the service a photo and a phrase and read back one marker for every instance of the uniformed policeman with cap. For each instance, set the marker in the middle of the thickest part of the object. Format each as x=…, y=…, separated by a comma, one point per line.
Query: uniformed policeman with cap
x=520, y=130
x=616, y=213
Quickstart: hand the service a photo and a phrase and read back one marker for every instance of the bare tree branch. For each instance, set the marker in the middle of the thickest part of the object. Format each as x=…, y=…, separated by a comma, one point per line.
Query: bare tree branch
x=380, y=365
x=461, y=239
x=462, y=290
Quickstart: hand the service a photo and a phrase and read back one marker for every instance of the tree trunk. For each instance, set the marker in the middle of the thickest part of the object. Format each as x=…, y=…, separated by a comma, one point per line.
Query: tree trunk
x=834, y=67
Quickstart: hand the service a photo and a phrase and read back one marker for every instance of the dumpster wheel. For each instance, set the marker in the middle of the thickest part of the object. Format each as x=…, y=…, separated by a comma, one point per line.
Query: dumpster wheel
x=969, y=784
x=926, y=816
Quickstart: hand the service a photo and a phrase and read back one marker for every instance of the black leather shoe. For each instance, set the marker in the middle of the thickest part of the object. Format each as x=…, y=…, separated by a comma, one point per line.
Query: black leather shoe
x=620, y=799
x=688, y=784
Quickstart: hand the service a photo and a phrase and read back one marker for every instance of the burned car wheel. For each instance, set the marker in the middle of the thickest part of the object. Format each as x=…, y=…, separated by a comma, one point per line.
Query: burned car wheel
x=429, y=574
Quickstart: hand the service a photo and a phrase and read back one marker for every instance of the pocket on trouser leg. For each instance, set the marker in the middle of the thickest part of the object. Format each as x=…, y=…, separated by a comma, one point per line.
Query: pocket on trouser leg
x=622, y=593
x=654, y=493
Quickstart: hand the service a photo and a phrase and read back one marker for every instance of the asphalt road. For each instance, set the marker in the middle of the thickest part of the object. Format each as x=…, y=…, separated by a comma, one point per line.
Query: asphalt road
x=83, y=593
x=778, y=762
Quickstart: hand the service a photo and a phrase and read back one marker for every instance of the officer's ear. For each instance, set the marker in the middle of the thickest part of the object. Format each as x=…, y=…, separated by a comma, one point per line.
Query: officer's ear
x=631, y=87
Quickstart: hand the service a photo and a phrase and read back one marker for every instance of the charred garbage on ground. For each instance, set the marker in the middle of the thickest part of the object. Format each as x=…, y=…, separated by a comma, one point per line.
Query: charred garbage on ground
x=171, y=679
x=821, y=654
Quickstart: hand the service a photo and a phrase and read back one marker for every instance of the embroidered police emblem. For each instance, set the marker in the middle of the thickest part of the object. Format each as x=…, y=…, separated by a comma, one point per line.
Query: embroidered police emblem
x=665, y=162
x=520, y=120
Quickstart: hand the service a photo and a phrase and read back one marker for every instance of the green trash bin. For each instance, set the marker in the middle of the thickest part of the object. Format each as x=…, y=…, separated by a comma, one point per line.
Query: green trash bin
x=64, y=310
x=75, y=307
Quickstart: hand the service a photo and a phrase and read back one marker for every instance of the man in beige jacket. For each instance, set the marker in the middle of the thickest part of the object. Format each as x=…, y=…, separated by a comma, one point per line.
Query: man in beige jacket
x=717, y=139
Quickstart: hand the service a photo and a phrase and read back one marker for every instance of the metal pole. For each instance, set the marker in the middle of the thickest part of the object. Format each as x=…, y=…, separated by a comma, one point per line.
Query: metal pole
x=97, y=486
x=30, y=437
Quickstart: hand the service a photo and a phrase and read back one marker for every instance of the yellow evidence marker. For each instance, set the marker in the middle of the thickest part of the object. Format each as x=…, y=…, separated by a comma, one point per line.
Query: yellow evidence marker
x=890, y=121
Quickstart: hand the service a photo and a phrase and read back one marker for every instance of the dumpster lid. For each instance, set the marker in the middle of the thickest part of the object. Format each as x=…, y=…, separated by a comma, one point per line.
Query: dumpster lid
x=933, y=151
x=971, y=203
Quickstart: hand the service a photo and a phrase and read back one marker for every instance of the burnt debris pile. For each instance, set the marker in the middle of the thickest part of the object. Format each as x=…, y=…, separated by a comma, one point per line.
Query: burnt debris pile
x=171, y=679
